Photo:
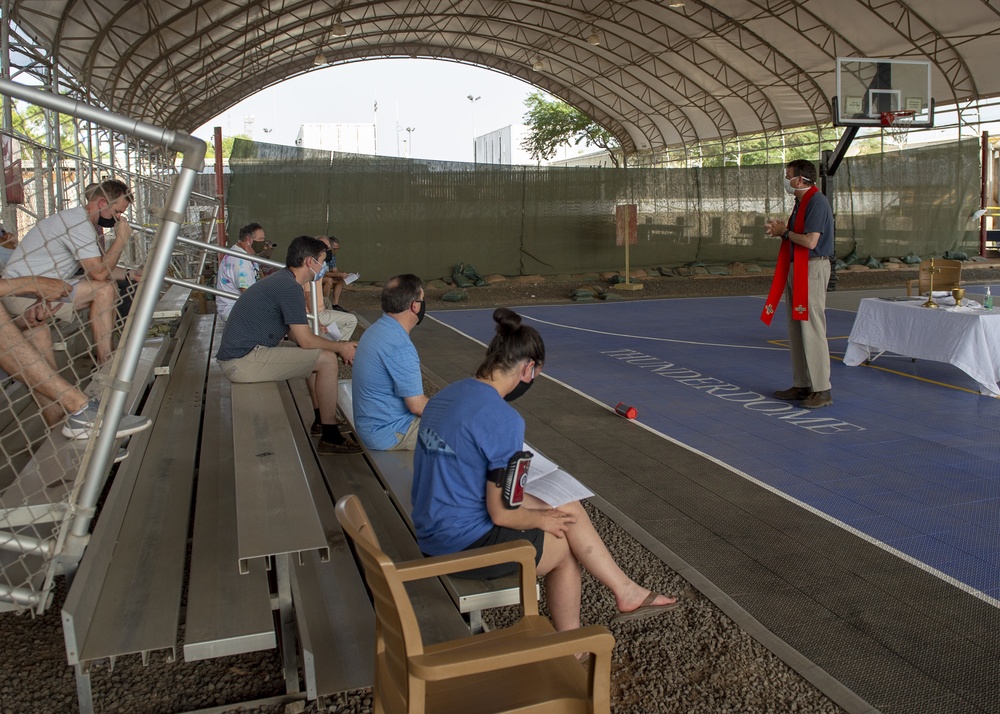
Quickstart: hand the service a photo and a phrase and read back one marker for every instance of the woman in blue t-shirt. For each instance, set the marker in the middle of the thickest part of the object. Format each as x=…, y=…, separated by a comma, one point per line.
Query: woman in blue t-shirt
x=467, y=431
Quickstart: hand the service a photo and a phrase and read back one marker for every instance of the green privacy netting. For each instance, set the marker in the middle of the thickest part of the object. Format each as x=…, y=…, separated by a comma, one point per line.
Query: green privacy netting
x=398, y=215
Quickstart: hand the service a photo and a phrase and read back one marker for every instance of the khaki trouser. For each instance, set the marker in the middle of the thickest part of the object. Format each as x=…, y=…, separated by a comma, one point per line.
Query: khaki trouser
x=345, y=323
x=807, y=338
x=271, y=364
x=408, y=441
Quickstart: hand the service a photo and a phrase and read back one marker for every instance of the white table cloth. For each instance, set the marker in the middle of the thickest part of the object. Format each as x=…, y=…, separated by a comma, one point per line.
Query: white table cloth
x=967, y=338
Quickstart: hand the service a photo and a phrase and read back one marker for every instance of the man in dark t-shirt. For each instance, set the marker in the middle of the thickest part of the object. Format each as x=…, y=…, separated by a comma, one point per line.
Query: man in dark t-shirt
x=271, y=309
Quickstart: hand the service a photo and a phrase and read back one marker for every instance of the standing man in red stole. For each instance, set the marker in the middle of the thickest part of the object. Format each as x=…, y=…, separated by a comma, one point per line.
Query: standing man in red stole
x=802, y=273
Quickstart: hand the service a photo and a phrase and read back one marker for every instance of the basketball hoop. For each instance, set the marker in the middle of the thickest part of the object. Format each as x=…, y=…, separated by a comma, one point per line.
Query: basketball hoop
x=897, y=125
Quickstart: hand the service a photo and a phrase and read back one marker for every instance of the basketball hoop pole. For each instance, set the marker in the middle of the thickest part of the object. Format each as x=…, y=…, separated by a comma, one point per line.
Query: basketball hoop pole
x=984, y=149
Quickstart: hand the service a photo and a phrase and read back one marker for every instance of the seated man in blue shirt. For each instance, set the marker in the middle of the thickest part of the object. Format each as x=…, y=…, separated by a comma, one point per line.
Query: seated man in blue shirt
x=388, y=387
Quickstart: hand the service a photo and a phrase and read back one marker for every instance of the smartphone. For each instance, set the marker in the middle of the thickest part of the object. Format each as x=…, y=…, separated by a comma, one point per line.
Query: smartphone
x=515, y=478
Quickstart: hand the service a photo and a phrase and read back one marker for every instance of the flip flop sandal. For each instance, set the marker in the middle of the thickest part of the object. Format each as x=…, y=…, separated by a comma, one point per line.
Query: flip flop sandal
x=646, y=609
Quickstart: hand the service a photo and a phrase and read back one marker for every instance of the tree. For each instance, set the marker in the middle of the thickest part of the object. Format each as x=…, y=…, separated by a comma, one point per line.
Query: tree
x=227, y=145
x=32, y=123
x=552, y=124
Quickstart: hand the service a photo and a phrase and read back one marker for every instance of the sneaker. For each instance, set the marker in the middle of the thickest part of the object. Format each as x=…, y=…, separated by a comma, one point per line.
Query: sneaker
x=348, y=447
x=119, y=457
x=793, y=393
x=317, y=428
x=79, y=426
x=817, y=400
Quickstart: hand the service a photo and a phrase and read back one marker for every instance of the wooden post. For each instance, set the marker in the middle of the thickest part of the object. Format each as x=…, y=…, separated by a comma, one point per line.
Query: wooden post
x=627, y=234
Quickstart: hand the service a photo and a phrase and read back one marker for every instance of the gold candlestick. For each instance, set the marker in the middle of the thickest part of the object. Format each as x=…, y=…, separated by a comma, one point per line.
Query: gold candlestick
x=930, y=293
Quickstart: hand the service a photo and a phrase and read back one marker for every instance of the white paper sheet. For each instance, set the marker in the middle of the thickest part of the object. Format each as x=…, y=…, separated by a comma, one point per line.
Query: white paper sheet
x=351, y=277
x=551, y=484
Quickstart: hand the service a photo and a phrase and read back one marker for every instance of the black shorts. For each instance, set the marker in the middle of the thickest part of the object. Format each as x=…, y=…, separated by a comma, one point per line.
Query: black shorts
x=499, y=534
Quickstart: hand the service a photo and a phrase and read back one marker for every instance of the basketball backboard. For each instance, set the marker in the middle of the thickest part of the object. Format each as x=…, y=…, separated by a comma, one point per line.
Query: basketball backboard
x=868, y=87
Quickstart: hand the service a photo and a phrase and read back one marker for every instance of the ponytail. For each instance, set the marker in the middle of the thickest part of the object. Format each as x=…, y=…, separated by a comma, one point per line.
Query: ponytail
x=512, y=344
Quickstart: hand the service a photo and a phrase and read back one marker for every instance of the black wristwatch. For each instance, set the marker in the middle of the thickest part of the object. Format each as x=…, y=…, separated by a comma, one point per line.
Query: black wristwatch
x=785, y=234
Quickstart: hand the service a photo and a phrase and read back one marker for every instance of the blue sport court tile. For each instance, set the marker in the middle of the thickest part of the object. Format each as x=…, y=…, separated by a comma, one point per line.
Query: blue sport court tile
x=883, y=449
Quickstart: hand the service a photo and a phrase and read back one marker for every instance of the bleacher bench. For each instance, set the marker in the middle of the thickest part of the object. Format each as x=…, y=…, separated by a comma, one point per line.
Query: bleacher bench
x=395, y=469
x=285, y=512
x=37, y=497
x=440, y=620
x=126, y=597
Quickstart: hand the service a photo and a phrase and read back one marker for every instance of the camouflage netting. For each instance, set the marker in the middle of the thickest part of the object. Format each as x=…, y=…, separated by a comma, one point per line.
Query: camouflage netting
x=397, y=215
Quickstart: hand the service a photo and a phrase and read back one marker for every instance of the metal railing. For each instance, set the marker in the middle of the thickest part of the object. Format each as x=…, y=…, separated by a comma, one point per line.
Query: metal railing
x=167, y=203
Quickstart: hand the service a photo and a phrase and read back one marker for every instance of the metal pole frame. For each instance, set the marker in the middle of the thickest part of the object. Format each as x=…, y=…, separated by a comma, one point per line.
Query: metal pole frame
x=984, y=202
x=97, y=461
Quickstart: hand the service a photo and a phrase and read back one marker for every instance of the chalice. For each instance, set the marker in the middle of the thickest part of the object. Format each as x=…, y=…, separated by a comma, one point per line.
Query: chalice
x=958, y=294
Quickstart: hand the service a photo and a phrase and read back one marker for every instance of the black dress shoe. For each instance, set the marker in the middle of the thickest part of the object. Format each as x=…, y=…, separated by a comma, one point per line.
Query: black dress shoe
x=793, y=393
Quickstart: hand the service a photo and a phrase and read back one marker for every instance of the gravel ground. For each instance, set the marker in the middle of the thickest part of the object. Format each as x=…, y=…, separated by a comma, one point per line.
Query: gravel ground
x=530, y=290
x=692, y=660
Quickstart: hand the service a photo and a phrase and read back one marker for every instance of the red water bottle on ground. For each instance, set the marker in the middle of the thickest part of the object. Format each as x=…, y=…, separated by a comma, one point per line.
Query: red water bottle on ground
x=626, y=411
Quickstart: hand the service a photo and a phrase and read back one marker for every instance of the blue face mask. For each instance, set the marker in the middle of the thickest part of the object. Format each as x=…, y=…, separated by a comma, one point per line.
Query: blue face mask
x=317, y=276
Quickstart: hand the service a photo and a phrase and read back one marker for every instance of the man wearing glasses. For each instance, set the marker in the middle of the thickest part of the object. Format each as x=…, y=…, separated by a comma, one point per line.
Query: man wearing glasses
x=272, y=309
x=388, y=387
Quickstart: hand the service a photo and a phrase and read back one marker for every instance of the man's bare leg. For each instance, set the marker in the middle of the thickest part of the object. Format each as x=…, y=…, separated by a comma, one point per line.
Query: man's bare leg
x=23, y=361
x=327, y=376
x=40, y=338
x=311, y=383
x=99, y=296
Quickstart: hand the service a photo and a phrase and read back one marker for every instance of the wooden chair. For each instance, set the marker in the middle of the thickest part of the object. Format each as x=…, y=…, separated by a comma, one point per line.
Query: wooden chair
x=528, y=667
x=948, y=275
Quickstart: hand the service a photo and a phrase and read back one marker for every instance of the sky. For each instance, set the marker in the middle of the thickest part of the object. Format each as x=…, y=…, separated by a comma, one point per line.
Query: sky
x=428, y=96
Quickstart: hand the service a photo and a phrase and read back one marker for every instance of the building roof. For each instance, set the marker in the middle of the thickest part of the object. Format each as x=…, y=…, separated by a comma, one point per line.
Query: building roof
x=655, y=73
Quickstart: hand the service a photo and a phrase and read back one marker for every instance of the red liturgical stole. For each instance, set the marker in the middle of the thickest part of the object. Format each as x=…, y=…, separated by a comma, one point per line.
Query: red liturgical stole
x=800, y=276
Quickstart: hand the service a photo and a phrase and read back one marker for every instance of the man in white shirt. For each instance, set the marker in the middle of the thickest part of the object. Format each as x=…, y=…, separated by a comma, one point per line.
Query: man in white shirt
x=339, y=324
x=236, y=274
x=66, y=242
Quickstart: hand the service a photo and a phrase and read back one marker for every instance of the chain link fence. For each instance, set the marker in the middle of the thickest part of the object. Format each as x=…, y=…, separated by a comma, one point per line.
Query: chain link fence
x=397, y=215
x=58, y=351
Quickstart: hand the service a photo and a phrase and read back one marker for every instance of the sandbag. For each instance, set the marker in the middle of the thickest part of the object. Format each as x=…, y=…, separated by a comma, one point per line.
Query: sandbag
x=455, y=296
x=458, y=277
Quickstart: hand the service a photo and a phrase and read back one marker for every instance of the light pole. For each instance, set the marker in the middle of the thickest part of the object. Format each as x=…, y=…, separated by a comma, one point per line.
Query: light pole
x=473, y=100
x=409, y=141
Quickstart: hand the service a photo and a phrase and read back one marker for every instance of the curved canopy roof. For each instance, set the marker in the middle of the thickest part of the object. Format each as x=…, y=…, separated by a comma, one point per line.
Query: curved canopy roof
x=663, y=73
